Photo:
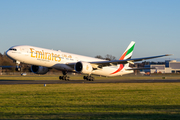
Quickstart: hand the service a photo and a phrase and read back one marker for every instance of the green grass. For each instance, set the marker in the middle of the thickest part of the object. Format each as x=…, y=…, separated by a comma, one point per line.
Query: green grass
x=80, y=77
x=91, y=101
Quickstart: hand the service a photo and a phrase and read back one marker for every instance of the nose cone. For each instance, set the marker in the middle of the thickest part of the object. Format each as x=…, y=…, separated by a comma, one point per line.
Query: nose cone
x=7, y=53
x=10, y=54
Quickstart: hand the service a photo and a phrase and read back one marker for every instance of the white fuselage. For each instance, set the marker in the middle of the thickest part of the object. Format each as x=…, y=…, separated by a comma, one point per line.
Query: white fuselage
x=58, y=60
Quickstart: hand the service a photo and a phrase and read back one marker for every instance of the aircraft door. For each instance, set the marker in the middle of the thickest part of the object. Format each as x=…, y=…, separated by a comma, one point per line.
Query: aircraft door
x=24, y=51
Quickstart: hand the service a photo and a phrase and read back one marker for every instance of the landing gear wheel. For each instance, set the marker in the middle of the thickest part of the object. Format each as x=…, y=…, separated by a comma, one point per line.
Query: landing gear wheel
x=64, y=77
x=18, y=69
x=89, y=78
x=85, y=77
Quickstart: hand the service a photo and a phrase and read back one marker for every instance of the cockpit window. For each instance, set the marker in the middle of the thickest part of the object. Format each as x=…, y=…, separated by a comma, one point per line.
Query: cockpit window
x=13, y=49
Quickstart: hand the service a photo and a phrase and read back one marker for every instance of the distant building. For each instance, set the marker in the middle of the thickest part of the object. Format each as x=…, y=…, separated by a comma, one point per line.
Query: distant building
x=169, y=66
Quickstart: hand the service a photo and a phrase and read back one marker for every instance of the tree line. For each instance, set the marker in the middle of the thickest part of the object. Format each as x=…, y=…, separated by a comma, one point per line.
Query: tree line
x=107, y=57
x=5, y=61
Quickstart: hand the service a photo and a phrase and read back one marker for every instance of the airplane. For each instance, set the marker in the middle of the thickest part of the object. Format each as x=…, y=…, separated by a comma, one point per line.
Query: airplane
x=43, y=59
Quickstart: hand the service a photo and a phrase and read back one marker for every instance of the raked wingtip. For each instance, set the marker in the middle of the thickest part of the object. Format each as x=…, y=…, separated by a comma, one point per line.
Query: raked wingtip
x=169, y=54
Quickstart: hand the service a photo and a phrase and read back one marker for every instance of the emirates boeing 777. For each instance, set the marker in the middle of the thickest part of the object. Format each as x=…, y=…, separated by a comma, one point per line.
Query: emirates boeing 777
x=44, y=59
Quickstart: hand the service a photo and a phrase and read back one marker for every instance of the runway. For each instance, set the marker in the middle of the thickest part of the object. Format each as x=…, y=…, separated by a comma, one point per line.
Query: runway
x=82, y=81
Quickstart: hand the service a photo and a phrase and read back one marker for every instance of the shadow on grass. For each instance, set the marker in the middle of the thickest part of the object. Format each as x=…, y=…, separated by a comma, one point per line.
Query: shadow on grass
x=94, y=112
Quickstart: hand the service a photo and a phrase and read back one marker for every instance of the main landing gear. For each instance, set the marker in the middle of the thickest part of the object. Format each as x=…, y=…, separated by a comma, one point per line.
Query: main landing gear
x=64, y=77
x=90, y=78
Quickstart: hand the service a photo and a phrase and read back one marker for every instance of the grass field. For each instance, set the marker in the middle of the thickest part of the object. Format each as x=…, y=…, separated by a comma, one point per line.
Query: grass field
x=90, y=101
x=80, y=77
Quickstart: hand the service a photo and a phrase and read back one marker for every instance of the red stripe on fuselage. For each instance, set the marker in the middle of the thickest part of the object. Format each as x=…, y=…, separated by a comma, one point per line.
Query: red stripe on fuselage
x=121, y=65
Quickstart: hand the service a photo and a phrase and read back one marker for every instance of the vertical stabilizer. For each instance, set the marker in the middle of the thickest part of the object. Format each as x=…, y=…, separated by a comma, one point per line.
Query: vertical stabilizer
x=126, y=55
x=128, y=52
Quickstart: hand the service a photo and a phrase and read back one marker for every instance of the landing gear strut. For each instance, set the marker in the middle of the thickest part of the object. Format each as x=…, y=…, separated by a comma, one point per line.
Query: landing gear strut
x=64, y=77
x=18, y=67
x=90, y=78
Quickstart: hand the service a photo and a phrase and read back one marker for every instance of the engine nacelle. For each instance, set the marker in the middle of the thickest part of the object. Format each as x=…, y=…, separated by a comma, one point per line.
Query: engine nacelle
x=39, y=69
x=83, y=67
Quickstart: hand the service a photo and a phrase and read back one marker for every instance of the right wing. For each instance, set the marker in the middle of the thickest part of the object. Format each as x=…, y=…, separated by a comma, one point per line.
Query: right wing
x=115, y=62
x=141, y=68
x=100, y=64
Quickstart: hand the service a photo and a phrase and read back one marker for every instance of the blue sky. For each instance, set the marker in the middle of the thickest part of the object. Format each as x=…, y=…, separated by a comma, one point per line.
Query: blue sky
x=92, y=27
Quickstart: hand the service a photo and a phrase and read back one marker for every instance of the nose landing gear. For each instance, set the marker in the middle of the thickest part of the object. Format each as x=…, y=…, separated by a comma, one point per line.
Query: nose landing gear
x=18, y=67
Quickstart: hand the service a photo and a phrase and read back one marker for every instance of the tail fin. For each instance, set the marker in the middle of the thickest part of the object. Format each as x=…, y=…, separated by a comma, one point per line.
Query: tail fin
x=126, y=55
x=128, y=52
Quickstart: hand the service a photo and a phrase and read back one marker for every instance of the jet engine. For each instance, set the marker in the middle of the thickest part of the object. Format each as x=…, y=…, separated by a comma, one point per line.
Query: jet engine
x=39, y=69
x=83, y=67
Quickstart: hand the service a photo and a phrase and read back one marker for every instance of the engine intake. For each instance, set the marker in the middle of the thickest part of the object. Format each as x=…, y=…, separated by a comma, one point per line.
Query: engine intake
x=83, y=67
x=39, y=69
